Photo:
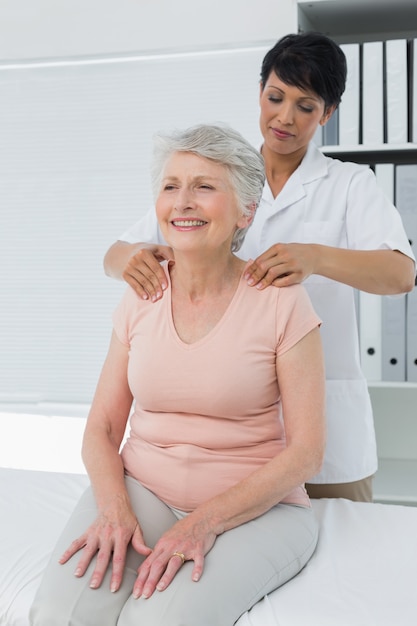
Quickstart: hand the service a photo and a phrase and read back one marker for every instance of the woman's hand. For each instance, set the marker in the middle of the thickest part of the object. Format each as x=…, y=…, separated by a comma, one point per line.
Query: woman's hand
x=281, y=265
x=191, y=537
x=144, y=273
x=384, y=272
x=108, y=537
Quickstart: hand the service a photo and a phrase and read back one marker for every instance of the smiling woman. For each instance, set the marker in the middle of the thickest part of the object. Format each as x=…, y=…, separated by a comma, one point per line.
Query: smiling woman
x=203, y=217
x=216, y=462
x=223, y=171
x=194, y=202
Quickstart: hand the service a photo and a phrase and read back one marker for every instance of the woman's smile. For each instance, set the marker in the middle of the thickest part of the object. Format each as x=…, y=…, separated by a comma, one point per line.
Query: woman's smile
x=187, y=224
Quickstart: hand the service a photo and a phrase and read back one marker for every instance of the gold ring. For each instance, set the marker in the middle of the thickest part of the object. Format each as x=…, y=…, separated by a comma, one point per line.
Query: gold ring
x=181, y=555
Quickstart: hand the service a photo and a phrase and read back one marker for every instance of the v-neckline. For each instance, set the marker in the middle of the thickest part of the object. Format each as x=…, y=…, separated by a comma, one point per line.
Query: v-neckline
x=221, y=321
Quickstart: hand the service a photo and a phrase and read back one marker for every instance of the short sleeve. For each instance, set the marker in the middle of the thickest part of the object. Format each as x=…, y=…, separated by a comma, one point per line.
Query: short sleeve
x=296, y=317
x=373, y=222
x=122, y=316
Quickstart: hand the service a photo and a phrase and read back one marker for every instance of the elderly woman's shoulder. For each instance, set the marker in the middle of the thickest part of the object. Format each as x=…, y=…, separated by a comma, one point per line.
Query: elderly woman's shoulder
x=273, y=294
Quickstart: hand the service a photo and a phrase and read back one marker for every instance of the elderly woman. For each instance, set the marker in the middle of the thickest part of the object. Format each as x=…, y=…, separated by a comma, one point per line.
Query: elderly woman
x=203, y=511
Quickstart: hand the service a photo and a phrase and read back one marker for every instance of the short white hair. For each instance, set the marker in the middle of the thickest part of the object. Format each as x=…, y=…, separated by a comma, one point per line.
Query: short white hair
x=221, y=144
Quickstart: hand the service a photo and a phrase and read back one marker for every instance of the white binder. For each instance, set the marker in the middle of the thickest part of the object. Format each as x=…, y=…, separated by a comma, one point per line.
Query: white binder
x=414, y=91
x=385, y=176
x=406, y=200
x=370, y=335
x=349, y=108
x=373, y=93
x=406, y=203
x=393, y=330
x=411, y=347
x=396, y=90
x=370, y=305
x=393, y=339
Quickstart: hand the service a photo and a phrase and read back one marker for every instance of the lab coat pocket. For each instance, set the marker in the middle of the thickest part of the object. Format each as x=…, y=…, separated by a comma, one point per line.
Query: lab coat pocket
x=325, y=232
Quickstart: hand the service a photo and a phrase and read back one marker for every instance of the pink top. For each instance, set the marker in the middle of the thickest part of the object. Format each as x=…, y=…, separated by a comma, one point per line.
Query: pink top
x=207, y=414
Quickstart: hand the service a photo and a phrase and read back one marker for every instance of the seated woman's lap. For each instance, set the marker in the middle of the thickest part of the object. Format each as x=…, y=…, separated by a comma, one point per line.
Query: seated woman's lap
x=62, y=596
x=244, y=564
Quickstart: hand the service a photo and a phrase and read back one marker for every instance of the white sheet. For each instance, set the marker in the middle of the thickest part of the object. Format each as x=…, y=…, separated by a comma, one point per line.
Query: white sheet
x=34, y=507
x=364, y=571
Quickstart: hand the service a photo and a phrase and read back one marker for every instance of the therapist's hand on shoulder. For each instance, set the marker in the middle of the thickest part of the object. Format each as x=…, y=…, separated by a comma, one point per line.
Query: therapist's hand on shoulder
x=144, y=273
x=283, y=264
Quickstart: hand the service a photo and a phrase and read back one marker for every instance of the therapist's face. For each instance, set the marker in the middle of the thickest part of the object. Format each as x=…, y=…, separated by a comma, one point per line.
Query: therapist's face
x=289, y=116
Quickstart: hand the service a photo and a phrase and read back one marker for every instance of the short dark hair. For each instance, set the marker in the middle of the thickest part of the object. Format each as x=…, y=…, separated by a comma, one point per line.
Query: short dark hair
x=310, y=61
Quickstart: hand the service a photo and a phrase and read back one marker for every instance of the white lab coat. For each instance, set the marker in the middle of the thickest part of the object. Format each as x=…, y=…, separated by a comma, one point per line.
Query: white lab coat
x=337, y=204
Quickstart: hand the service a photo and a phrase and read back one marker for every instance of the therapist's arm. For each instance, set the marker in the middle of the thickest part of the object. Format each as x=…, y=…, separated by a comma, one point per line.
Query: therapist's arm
x=384, y=272
x=139, y=265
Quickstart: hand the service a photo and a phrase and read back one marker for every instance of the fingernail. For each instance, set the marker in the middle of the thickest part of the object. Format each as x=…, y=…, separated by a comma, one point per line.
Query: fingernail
x=113, y=588
x=164, y=286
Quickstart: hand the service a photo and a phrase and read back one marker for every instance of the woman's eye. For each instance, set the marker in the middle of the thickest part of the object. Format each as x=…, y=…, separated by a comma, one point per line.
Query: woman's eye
x=274, y=99
x=306, y=109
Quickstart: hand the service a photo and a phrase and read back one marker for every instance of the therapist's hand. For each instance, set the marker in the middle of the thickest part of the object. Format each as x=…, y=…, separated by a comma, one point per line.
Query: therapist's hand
x=144, y=273
x=283, y=264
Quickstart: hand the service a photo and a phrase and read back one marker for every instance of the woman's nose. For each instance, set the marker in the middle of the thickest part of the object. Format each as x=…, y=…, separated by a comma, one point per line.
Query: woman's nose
x=286, y=114
x=184, y=200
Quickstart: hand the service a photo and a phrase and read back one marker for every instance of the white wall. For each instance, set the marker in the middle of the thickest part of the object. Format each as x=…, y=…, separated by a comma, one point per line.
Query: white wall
x=76, y=138
x=58, y=28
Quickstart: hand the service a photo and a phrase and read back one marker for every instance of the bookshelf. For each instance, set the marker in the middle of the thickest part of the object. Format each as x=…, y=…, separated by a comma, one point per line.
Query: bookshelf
x=348, y=21
x=394, y=403
x=384, y=153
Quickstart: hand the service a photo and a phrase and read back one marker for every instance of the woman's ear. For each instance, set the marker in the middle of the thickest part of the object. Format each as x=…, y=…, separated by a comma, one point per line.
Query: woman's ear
x=245, y=220
x=327, y=114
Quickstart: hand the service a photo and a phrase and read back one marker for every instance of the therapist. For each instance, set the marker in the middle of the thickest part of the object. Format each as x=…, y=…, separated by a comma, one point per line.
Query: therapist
x=320, y=221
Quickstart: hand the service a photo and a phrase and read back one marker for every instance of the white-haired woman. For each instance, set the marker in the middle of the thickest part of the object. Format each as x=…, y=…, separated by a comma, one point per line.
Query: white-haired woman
x=204, y=510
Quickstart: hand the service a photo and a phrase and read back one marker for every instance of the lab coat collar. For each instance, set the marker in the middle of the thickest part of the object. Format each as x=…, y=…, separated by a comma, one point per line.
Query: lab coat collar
x=313, y=166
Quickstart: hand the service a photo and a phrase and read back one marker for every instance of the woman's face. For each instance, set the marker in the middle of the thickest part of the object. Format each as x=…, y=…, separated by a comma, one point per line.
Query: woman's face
x=289, y=116
x=197, y=207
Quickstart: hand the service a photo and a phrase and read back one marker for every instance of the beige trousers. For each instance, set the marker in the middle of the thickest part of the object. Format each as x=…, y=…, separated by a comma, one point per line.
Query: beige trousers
x=244, y=565
x=358, y=491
